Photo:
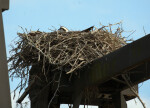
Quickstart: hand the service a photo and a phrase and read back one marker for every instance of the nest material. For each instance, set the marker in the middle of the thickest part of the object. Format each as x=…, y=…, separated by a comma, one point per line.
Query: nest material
x=65, y=50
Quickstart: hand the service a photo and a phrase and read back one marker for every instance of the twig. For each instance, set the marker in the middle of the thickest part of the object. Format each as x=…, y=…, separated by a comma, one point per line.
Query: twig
x=135, y=92
x=61, y=50
x=76, y=67
x=25, y=92
x=144, y=30
x=55, y=90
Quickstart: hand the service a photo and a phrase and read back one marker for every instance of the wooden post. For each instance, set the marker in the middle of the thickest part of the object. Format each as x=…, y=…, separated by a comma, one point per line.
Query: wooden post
x=119, y=100
x=37, y=93
x=40, y=93
x=5, y=101
x=77, y=94
x=77, y=100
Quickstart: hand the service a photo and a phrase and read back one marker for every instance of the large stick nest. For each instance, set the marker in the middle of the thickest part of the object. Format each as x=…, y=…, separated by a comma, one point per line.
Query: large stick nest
x=65, y=50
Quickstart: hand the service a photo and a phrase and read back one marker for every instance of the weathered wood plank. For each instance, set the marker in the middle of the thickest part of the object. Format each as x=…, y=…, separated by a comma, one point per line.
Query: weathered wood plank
x=4, y=4
x=115, y=63
x=4, y=81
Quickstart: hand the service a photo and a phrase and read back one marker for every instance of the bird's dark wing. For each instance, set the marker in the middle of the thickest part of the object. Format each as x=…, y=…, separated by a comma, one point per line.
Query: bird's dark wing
x=88, y=29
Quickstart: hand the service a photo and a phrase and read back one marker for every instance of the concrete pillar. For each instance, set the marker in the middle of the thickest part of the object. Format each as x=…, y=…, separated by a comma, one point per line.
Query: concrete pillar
x=5, y=101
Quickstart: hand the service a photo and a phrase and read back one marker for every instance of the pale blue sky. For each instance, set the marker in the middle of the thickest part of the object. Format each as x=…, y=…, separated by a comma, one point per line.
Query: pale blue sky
x=77, y=15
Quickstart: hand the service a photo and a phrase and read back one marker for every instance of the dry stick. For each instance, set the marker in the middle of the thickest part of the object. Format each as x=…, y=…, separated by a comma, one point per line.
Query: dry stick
x=76, y=67
x=43, y=68
x=25, y=92
x=75, y=53
x=135, y=92
x=63, y=42
x=144, y=30
x=39, y=43
x=73, y=69
x=57, y=58
x=55, y=90
x=99, y=49
x=32, y=44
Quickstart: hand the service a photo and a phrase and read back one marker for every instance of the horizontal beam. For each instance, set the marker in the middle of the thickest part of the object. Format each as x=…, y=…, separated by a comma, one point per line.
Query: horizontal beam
x=115, y=63
x=133, y=58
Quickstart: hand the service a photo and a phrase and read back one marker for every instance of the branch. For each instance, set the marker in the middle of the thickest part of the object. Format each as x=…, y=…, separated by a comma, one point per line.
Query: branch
x=132, y=89
x=25, y=92
x=55, y=90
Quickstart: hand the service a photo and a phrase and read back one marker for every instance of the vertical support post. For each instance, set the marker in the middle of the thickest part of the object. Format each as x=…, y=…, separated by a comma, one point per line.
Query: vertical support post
x=99, y=106
x=77, y=99
x=5, y=101
x=77, y=94
x=39, y=92
x=119, y=100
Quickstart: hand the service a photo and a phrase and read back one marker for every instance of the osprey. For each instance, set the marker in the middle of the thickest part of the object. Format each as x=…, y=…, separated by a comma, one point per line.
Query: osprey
x=88, y=29
x=63, y=29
